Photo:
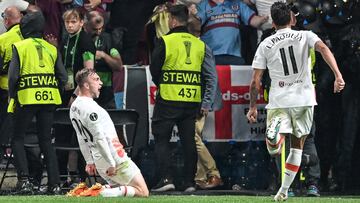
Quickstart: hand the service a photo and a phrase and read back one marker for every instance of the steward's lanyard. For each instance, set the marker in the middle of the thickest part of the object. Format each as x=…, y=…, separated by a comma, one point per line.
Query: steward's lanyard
x=73, y=50
x=97, y=42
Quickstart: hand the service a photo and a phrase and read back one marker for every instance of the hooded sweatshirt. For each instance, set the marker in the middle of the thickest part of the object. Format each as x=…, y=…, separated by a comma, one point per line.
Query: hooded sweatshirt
x=32, y=25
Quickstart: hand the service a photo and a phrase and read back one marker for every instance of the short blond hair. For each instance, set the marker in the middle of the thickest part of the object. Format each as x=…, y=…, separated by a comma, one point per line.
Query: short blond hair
x=82, y=76
x=73, y=13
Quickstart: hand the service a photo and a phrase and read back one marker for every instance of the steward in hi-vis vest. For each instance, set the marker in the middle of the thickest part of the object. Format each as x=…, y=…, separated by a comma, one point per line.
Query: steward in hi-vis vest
x=183, y=69
x=37, y=83
x=36, y=73
x=11, y=19
x=181, y=72
x=6, y=40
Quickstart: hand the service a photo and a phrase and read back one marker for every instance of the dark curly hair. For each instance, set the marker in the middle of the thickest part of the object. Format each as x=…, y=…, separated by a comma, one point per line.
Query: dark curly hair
x=280, y=13
x=179, y=12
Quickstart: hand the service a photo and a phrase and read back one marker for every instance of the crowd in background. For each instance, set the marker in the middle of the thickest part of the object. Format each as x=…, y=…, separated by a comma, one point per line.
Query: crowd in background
x=117, y=32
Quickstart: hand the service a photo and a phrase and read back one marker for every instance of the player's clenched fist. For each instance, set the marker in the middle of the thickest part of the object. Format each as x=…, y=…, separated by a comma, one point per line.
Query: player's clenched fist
x=339, y=84
x=252, y=115
x=90, y=169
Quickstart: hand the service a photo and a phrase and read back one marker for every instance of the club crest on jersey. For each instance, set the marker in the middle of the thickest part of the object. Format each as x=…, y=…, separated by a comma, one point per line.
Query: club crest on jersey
x=235, y=7
x=93, y=116
x=281, y=83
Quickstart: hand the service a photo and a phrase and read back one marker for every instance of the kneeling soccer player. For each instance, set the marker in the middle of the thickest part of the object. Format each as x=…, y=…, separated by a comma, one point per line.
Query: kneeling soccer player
x=99, y=142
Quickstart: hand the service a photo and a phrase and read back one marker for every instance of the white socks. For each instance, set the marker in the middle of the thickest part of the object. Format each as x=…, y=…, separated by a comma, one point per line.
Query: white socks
x=125, y=191
x=291, y=168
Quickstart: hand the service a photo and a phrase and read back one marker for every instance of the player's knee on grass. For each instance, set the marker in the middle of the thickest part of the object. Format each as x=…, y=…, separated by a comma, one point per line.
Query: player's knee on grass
x=141, y=189
x=142, y=192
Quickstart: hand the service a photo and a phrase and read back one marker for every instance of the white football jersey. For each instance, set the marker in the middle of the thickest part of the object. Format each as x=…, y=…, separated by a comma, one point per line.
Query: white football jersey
x=96, y=133
x=287, y=56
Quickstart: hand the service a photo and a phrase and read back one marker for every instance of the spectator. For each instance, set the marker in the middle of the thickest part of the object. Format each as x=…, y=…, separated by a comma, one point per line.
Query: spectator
x=126, y=33
x=78, y=51
x=160, y=19
x=107, y=58
x=118, y=74
x=177, y=56
x=263, y=9
x=91, y=5
x=220, y=21
x=207, y=174
x=52, y=10
x=187, y=3
x=35, y=58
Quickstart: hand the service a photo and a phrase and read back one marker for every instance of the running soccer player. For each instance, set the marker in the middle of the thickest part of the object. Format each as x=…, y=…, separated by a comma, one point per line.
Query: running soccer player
x=292, y=94
x=99, y=142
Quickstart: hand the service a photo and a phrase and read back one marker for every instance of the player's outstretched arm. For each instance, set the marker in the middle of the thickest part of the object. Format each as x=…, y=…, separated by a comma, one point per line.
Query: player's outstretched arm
x=329, y=58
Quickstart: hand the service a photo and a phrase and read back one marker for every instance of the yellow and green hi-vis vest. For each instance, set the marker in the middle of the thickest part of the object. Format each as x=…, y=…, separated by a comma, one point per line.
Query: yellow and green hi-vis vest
x=181, y=72
x=7, y=39
x=37, y=83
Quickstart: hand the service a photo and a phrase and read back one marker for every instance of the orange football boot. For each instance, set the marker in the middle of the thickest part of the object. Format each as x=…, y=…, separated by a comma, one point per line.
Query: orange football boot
x=77, y=190
x=93, y=191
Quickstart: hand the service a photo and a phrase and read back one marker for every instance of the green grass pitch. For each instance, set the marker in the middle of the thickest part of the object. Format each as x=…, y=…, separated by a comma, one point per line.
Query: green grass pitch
x=175, y=199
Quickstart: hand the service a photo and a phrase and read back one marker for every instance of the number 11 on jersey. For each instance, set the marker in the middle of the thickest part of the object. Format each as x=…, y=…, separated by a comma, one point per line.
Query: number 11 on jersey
x=284, y=60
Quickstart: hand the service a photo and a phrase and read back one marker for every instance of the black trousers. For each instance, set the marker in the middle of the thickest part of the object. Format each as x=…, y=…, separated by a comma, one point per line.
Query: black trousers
x=163, y=121
x=44, y=119
x=311, y=173
x=327, y=118
x=5, y=120
x=349, y=134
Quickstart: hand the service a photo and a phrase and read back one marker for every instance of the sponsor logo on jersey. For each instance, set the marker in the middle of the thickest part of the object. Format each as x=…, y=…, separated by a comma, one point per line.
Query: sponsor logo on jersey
x=229, y=16
x=283, y=84
x=93, y=116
